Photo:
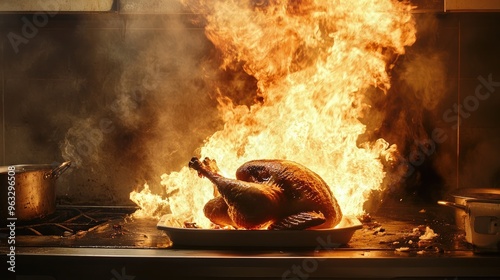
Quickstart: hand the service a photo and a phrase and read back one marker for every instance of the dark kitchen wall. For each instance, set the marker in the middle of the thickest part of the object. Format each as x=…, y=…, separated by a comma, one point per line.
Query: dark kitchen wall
x=453, y=73
x=480, y=97
x=469, y=43
x=119, y=94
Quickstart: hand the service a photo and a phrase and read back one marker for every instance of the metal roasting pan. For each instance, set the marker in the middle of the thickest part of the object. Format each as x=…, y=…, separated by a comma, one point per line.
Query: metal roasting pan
x=319, y=238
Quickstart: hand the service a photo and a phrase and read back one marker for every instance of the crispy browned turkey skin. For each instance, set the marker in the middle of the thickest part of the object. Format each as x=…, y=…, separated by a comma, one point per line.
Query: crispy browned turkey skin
x=272, y=194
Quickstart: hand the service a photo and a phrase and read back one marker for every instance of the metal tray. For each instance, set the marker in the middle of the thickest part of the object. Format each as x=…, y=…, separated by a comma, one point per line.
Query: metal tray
x=319, y=239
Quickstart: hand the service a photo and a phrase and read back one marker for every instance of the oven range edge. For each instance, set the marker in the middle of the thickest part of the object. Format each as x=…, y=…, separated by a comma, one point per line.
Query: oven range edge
x=128, y=263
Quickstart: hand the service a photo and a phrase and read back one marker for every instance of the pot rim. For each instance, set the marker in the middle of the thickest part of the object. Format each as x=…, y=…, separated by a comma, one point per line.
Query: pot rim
x=477, y=193
x=488, y=201
x=20, y=168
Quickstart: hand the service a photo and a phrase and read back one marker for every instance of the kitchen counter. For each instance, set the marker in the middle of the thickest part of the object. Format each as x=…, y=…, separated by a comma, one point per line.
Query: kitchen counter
x=388, y=246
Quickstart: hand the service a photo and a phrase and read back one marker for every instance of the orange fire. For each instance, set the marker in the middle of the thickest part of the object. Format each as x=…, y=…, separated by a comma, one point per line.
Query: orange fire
x=314, y=61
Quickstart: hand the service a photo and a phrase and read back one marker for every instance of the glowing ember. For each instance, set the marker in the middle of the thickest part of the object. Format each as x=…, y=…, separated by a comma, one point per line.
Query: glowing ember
x=313, y=62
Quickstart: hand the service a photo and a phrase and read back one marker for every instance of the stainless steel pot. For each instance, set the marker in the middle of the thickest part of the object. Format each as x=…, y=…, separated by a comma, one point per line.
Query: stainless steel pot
x=482, y=222
x=29, y=190
x=462, y=195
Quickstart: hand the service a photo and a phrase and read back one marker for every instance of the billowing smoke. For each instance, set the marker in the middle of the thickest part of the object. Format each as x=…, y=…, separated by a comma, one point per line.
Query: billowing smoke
x=409, y=116
x=447, y=136
x=422, y=113
x=145, y=108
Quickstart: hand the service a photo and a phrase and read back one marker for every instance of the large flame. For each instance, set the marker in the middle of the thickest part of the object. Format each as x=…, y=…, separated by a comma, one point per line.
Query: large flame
x=313, y=62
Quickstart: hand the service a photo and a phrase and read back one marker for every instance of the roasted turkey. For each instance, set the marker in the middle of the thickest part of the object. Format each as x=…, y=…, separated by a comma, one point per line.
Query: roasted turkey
x=272, y=194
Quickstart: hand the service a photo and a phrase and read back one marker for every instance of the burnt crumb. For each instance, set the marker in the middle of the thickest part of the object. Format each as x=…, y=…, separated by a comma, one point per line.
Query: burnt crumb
x=366, y=218
x=116, y=234
x=403, y=249
x=190, y=225
x=379, y=231
x=431, y=249
x=421, y=228
x=119, y=230
x=372, y=225
x=424, y=243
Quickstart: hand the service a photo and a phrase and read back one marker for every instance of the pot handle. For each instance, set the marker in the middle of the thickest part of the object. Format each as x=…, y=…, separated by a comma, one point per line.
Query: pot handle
x=452, y=204
x=56, y=172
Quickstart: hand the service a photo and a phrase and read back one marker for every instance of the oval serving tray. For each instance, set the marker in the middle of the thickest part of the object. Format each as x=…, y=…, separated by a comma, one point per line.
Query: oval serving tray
x=318, y=238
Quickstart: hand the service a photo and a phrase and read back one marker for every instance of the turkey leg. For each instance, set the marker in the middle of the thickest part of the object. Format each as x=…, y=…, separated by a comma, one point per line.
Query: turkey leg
x=250, y=205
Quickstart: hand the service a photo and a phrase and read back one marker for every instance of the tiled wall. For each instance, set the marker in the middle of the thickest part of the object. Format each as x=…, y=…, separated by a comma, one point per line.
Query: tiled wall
x=107, y=68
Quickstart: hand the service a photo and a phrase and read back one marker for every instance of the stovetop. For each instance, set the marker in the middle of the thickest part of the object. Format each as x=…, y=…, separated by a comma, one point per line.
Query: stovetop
x=118, y=246
x=68, y=220
x=89, y=226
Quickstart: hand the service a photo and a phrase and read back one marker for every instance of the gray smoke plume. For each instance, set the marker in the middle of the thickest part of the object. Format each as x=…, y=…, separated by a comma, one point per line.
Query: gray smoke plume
x=146, y=109
x=410, y=112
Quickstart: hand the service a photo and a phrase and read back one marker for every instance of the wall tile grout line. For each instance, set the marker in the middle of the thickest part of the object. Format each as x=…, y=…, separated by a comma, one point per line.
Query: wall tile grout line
x=2, y=53
x=458, y=102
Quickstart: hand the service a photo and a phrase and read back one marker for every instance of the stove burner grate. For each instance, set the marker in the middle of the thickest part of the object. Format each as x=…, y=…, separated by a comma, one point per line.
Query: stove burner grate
x=69, y=220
